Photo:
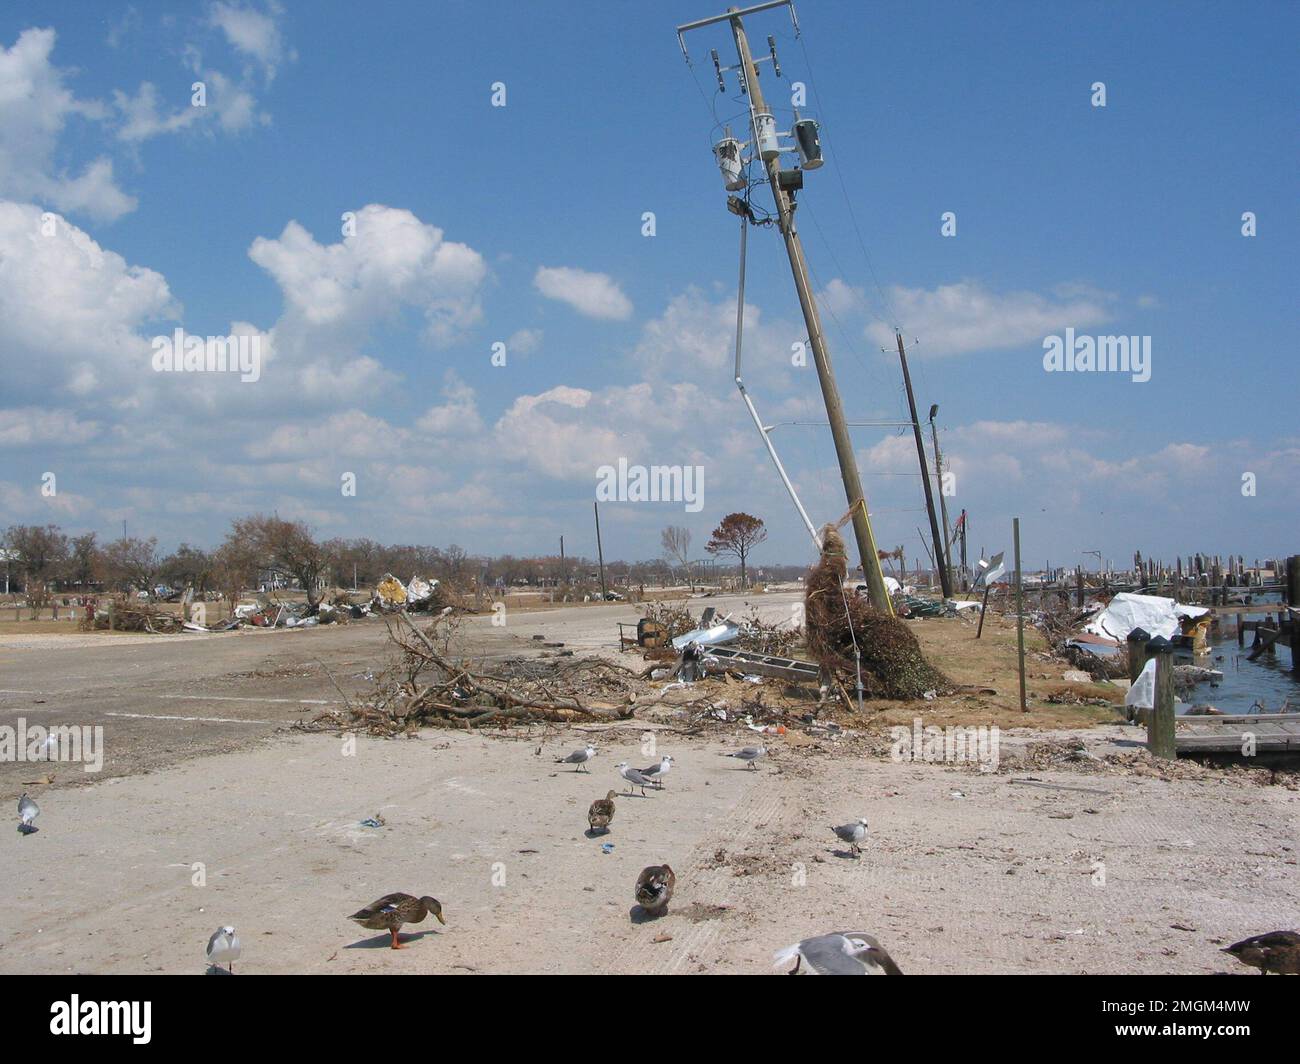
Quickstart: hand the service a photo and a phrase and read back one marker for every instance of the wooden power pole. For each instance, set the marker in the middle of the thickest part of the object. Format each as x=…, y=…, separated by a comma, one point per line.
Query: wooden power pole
x=600, y=552
x=812, y=319
x=939, y=560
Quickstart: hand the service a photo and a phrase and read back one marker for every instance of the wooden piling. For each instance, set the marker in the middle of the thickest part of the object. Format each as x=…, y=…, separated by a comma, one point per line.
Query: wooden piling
x=1160, y=722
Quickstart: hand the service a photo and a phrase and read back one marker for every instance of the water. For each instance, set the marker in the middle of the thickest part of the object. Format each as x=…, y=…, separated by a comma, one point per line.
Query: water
x=1268, y=680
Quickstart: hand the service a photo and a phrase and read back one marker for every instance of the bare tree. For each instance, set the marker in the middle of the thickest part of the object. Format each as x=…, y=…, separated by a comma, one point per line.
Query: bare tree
x=288, y=549
x=676, y=541
x=737, y=534
x=133, y=562
x=42, y=553
x=84, y=561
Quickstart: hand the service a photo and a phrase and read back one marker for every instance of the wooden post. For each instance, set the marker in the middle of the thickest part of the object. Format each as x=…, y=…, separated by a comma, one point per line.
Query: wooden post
x=1078, y=583
x=1160, y=724
x=1137, y=657
x=1020, y=615
x=1293, y=581
x=983, y=610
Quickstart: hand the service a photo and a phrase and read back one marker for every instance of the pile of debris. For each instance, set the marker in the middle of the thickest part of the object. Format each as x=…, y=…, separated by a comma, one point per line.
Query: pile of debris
x=844, y=630
x=417, y=596
x=130, y=615
x=427, y=685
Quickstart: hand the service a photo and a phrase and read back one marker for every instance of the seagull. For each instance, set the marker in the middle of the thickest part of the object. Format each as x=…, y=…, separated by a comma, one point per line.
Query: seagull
x=634, y=776
x=223, y=948
x=839, y=953
x=601, y=813
x=659, y=771
x=750, y=754
x=853, y=833
x=28, y=811
x=654, y=887
x=578, y=758
x=1277, y=951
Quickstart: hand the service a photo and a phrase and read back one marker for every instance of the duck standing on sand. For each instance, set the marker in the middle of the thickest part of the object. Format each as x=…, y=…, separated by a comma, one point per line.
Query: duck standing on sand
x=654, y=888
x=391, y=911
x=601, y=813
x=839, y=953
x=1276, y=951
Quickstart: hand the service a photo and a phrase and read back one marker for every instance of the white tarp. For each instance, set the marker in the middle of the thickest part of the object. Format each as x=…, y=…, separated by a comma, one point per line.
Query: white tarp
x=1152, y=613
x=1142, y=692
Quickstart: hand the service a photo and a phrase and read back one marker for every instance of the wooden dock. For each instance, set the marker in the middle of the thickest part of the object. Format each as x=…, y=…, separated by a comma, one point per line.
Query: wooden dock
x=1273, y=733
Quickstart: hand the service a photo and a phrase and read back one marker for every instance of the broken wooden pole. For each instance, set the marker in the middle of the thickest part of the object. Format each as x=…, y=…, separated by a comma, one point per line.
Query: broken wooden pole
x=1020, y=615
x=1160, y=723
x=1137, y=655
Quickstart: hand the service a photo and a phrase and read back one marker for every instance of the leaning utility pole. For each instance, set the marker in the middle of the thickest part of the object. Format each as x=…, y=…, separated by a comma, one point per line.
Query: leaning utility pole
x=943, y=505
x=925, y=476
x=765, y=133
x=600, y=553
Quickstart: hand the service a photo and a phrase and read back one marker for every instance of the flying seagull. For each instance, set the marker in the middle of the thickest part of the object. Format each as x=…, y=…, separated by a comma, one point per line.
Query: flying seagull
x=654, y=887
x=839, y=953
x=28, y=811
x=853, y=833
x=578, y=758
x=634, y=776
x=223, y=948
x=1276, y=951
x=750, y=754
x=659, y=771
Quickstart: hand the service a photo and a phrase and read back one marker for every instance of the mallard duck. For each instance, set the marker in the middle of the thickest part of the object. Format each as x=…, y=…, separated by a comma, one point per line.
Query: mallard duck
x=601, y=812
x=750, y=755
x=578, y=758
x=1276, y=951
x=391, y=911
x=223, y=948
x=28, y=811
x=654, y=888
x=839, y=953
x=853, y=833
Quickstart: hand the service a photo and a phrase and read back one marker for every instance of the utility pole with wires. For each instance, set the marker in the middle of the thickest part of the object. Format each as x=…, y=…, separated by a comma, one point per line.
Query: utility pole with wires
x=939, y=558
x=784, y=184
x=938, y=476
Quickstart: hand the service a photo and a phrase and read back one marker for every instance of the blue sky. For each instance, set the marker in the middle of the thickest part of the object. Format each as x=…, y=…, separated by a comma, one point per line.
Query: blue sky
x=226, y=219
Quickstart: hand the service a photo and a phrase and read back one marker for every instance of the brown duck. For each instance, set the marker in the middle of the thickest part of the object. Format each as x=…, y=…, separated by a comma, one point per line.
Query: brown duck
x=391, y=911
x=601, y=812
x=654, y=887
x=1276, y=951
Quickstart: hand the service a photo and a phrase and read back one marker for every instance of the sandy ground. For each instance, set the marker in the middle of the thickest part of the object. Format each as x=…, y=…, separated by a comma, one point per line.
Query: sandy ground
x=210, y=812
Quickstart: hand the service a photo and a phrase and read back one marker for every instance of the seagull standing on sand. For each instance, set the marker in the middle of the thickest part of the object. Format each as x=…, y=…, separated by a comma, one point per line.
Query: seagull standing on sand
x=223, y=948
x=578, y=758
x=634, y=776
x=853, y=833
x=656, y=773
x=839, y=953
x=750, y=754
x=28, y=811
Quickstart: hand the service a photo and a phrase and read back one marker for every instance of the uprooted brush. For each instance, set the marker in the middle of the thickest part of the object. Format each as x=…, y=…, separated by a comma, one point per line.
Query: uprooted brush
x=427, y=686
x=840, y=625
